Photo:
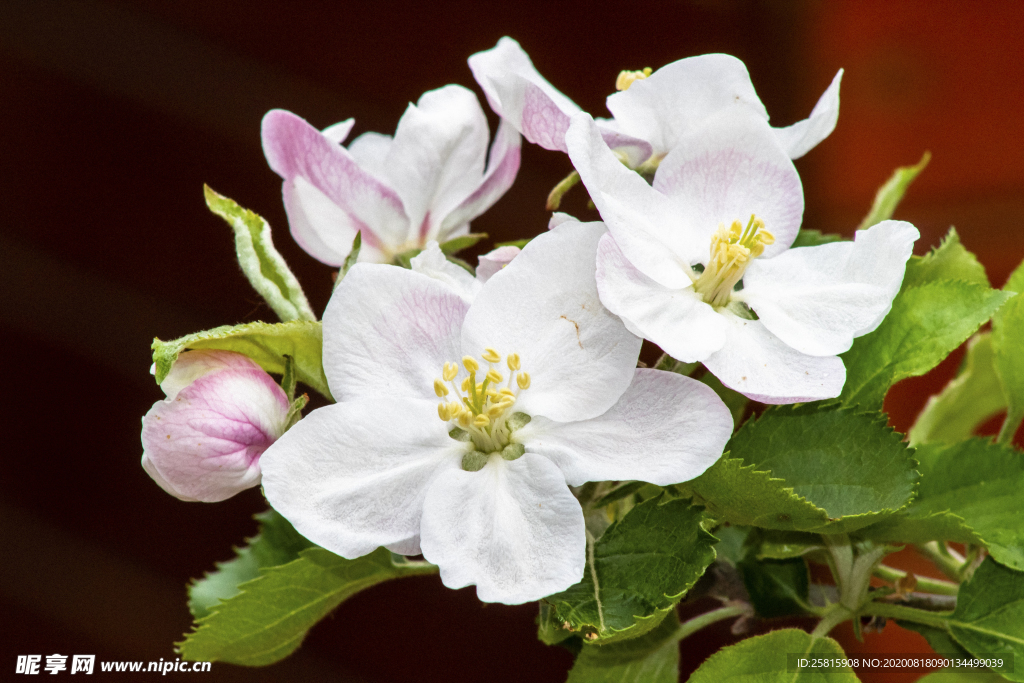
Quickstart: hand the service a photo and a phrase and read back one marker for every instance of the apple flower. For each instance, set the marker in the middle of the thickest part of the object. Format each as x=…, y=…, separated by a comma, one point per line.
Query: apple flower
x=728, y=199
x=463, y=419
x=204, y=441
x=651, y=112
x=425, y=183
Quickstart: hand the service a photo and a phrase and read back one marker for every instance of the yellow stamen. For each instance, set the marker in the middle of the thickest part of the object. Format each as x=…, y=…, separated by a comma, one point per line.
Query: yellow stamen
x=440, y=389
x=450, y=370
x=491, y=356
x=470, y=364
x=732, y=250
x=494, y=376
x=523, y=380
x=513, y=361
x=481, y=421
x=443, y=412
x=465, y=384
x=628, y=78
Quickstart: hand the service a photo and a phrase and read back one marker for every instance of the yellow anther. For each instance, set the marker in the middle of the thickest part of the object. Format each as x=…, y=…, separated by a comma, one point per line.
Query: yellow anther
x=440, y=389
x=491, y=356
x=506, y=404
x=492, y=392
x=507, y=392
x=495, y=411
x=627, y=78
x=464, y=418
x=732, y=250
x=523, y=380
x=470, y=364
x=450, y=370
x=465, y=384
x=481, y=421
x=494, y=376
x=513, y=361
x=444, y=412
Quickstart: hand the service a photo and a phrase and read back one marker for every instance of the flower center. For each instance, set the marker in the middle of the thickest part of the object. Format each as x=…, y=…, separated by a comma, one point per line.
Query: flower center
x=628, y=78
x=732, y=250
x=482, y=410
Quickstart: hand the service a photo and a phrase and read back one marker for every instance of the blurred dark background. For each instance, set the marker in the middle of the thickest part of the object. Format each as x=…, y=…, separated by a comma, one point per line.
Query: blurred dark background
x=115, y=112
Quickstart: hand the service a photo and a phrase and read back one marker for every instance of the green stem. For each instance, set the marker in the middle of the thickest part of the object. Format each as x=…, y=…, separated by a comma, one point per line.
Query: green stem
x=918, y=616
x=1010, y=426
x=833, y=618
x=924, y=583
x=942, y=557
x=555, y=196
x=691, y=626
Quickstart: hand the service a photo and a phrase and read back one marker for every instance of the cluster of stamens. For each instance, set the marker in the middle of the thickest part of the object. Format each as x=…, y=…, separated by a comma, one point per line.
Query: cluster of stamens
x=732, y=250
x=481, y=409
x=628, y=78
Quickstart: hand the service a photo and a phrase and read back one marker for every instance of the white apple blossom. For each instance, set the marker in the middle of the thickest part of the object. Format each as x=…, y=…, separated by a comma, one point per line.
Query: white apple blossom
x=728, y=199
x=653, y=110
x=538, y=391
x=425, y=183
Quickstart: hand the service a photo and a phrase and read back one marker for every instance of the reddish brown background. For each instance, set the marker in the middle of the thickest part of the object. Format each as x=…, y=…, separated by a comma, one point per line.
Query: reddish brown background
x=114, y=112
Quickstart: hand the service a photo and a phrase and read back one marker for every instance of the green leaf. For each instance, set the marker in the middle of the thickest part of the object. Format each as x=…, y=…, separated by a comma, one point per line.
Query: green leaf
x=731, y=543
x=926, y=323
x=949, y=261
x=974, y=486
x=783, y=545
x=970, y=399
x=764, y=659
x=262, y=264
x=351, y=259
x=989, y=615
x=637, y=571
x=276, y=543
x=457, y=244
x=651, y=658
x=891, y=193
x=265, y=343
x=938, y=639
x=812, y=238
x=1008, y=354
x=270, y=617
x=777, y=588
x=961, y=676
x=810, y=467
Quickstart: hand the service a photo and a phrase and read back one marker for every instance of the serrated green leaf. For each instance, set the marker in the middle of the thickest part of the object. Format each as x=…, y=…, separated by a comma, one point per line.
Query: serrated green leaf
x=813, y=238
x=777, y=588
x=763, y=659
x=457, y=244
x=276, y=543
x=638, y=570
x=260, y=261
x=891, y=193
x=731, y=543
x=265, y=343
x=975, y=486
x=969, y=399
x=948, y=261
x=270, y=617
x=925, y=324
x=989, y=614
x=809, y=468
x=938, y=639
x=651, y=658
x=1008, y=354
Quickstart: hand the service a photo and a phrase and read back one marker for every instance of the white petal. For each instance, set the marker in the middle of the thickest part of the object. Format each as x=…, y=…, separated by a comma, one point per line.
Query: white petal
x=389, y=331
x=339, y=131
x=432, y=263
x=803, y=136
x=370, y=150
x=494, y=260
x=544, y=306
x=657, y=236
x=352, y=476
x=817, y=299
x=437, y=157
x=677, y=320
x=666, y=106
x=665, y=429
x=759, y=365
x=513, y=528
x=324, y=229
x=728, y=169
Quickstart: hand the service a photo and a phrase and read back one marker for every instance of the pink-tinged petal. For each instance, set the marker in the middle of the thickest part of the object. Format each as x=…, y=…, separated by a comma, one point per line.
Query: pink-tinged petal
x=352, y=476
x=762, y=367
x=728, y=169
x=339, y=131
x=191, y=365
x=502, y=167
x=389, y=331
x=432, y=263
x=513, y=528
x=817, y=299
x=437, y=157
x=655, y=234
x=544, y=306
x=677, y=320
x=541, y=121
x=370, y=150
x=493, y=261
x=664, y=430
x=803, y=136
x=205, y=443
x=634, y=150
x=663, y=108
x=327, y=196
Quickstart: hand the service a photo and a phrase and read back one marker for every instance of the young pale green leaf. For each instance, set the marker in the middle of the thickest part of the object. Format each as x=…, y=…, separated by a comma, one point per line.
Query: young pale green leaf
x=891, y=193
x=269, y=618
x=764, y=659
x=731, y=546
x=351, y=259
x=260, y=261
x=457, y=244
x=809, y=468
x=265, y=343
x=276, y=543
x=949, y=261
x=651, y=658
x=767, y=544
x=1008, y=354
x=969, y=399
x=777, y=588
x=637, y=571
x=812, y=238
x=989, y=615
